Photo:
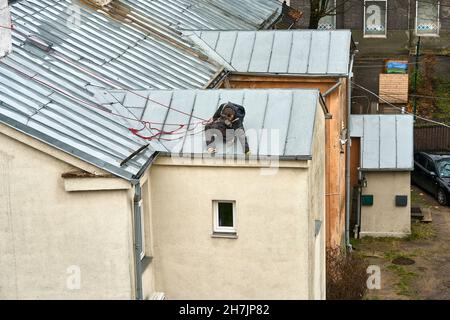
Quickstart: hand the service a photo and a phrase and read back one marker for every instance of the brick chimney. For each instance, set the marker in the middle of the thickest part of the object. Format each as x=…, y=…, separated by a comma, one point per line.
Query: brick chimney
x=5, y=32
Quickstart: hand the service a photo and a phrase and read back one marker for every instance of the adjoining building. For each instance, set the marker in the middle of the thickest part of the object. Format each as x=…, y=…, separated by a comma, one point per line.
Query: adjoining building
x=296, y=59
x=388, y=27
x=97, y=213
x=382, y=161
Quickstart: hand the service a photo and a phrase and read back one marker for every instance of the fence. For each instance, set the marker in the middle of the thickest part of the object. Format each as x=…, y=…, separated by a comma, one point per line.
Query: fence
x=432, y=138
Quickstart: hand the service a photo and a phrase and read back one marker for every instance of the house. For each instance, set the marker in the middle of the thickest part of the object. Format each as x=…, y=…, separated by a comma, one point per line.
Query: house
x=388, y=30
x=95, y=207
x=296, y=59
x=94, y=221
x=275, y=200
x=388, y=27
x=382, y=161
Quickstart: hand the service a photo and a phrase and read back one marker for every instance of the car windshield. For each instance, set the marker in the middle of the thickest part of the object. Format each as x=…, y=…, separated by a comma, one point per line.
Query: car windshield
x=443, y=167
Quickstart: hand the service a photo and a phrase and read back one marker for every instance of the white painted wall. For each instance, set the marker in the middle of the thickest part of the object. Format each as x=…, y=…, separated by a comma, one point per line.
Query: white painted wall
x=268, y=260
x=44, y=230
x=276, y=254
x=384, y=219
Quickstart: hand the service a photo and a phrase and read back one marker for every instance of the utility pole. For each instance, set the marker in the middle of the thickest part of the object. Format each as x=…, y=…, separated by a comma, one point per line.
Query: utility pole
x=416, y=71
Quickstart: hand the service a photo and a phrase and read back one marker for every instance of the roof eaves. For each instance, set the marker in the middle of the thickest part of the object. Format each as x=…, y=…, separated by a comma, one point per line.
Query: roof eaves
x=237, y=156
x=66, y=148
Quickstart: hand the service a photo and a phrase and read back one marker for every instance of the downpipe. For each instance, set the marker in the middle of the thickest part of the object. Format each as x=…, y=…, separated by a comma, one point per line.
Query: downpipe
x=358, y=205
x=347, y=156
x=138, y=239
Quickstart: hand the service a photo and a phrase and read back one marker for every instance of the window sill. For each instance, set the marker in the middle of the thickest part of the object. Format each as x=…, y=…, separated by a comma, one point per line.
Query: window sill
x=375, y=36
x=229, y=235
x=427, y=35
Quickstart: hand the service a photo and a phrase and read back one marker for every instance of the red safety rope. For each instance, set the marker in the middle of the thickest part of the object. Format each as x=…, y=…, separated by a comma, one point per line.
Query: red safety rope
x=10, y=27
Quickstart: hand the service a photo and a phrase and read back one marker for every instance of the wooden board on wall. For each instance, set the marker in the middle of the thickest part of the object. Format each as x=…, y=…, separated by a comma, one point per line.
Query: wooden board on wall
x=394, y=88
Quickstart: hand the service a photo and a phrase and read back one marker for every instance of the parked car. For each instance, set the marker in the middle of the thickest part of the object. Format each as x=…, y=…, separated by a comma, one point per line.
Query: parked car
x=432, y=174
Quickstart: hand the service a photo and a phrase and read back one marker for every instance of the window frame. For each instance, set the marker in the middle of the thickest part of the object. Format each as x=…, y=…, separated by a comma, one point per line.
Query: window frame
x=385, y=21
x=334, y=17
x=223, y=230
x=438, y=22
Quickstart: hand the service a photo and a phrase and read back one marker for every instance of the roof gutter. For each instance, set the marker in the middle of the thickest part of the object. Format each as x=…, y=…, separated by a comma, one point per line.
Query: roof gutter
x=331, y=90
x=137, y=227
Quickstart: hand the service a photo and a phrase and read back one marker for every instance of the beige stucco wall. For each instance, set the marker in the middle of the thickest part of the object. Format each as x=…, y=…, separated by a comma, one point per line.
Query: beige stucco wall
x=384, y=219
x=275, y=255
x=44, y=230
x=268, y=260
x=317, y=188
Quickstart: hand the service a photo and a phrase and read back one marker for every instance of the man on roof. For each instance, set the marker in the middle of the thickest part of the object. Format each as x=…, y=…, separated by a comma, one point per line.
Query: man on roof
x=228, y=123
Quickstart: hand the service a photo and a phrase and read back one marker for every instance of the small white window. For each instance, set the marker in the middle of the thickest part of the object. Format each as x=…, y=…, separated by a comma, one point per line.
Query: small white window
x=427, y=17
x=375, y=19
x=329, y=22
x=224, y=217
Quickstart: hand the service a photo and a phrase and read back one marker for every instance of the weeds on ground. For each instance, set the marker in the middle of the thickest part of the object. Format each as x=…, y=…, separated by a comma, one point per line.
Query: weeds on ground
x=405, y=279
x=395, y=254
x=346, y=275
x=443, y=91
x=421, y=231
x=418, y=199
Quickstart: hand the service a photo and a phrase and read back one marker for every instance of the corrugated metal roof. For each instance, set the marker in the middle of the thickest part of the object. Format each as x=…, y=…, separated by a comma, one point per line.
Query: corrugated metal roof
x=386, y=141
x=47, y=83
x=277, y=122
x=210, y=15
x=282, y=51
x=121, y=52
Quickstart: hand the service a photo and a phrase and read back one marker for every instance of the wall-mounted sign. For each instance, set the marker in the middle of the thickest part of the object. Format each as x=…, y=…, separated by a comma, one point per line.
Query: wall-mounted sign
x=329, y=22
x=375, y=18
x=427, y=17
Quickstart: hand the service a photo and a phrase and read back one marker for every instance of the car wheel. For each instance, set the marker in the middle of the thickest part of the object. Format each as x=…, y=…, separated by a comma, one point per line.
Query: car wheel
x=442, y=197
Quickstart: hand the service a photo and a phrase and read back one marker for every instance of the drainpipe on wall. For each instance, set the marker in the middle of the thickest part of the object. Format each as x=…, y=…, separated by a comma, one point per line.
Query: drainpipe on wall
x=347, y=160
x=358, y=204
x=137, y=227
x=138, y=239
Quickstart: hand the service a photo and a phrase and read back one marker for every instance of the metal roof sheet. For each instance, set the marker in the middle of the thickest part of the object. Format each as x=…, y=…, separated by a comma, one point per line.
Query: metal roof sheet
x=386, y=141
x=48, y=83
x=210, y=15
x=312, y=52
x=277, y=122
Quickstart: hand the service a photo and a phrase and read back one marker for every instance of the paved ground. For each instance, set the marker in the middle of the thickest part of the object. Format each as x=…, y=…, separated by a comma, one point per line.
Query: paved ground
x=428, y=246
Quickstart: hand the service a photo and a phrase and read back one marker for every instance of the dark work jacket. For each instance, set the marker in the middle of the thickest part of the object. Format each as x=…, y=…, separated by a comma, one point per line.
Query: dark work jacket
x=237, y=125
x=238, y=110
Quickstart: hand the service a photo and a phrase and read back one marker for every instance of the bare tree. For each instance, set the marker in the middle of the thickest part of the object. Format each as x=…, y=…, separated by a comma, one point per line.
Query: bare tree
x=323, y=8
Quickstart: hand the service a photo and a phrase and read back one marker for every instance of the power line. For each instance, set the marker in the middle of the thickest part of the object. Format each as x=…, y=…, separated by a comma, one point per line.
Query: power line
x=146, y=124
x=402, y=109
x=107, y=80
